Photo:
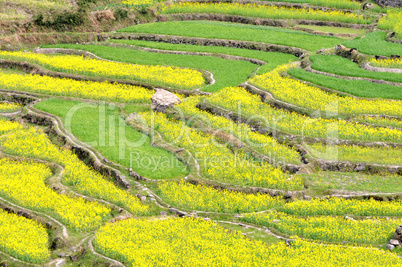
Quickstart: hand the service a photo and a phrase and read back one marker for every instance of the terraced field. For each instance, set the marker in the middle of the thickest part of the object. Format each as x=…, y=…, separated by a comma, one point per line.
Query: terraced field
x=258, y=133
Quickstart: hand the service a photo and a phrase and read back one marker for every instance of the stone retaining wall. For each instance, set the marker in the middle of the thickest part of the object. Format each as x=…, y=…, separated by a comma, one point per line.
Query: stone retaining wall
x=392, y=3
x=396, y=240
x=213, y=42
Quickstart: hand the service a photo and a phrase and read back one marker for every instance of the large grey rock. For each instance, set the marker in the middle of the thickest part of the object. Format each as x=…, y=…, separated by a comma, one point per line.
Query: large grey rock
x=163, y=99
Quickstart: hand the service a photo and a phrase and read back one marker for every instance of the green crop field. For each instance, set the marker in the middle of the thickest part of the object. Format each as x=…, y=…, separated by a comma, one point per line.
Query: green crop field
x=223, y=30
x=220, y=68
x=192, y=133
x=374, y=43
x=344, y=67
x=354, y=87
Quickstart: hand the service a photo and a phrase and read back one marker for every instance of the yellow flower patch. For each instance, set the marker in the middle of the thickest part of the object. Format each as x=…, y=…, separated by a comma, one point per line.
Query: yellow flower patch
x=159, y=75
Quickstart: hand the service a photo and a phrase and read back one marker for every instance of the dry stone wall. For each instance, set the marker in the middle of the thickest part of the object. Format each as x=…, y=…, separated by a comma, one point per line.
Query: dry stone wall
x=393, y=3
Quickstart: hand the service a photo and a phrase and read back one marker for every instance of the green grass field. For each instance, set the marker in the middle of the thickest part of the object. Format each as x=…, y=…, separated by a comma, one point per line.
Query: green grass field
x=374, y=44
x=328, y=181
x=226, y=72
x=264, y=11
x=100, y=126
x=334, y=29
x=343, y=66
x=354, y=87
x=273, y=59
x=233, y=31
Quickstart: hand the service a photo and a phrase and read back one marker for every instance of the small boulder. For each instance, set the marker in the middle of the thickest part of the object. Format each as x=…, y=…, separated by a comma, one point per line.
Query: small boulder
x=163, y=99
x=305, y=160
x=25, y=214
x=57, y=243
x=120, y=218
x=367, y=6
x=390, y=247
x=396, y=236
x=61, y=255
x=394, y=242
x=288, y=195
x=142, y=198
x=399, y=230
x=341, y=48
x=163, y=213
x=349, y=218
x=61, y=263
x=380, y=57
x=173, y=210
x=360, y=167
x=288, y=242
